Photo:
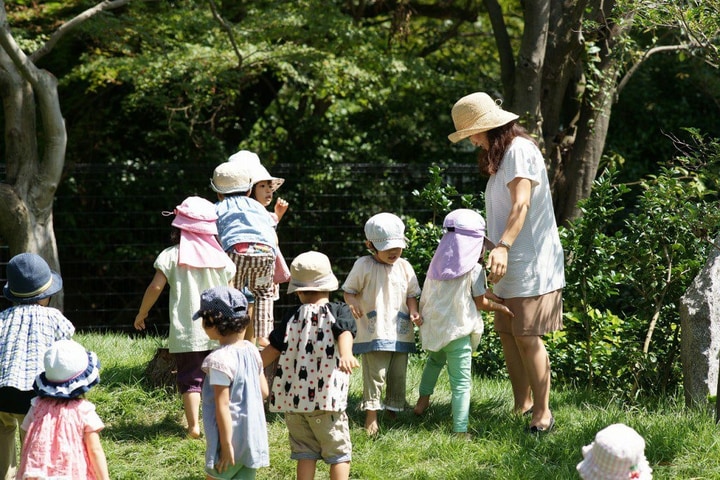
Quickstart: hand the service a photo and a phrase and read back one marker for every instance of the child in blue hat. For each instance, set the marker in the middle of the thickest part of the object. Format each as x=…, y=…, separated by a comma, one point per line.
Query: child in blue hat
x=27, y=330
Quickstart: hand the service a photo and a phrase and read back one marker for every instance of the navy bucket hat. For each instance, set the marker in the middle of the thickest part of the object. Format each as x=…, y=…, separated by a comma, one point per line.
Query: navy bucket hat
x=30, y=279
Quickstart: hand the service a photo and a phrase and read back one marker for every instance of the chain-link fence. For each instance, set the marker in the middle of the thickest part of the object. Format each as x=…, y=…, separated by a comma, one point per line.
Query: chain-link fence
x=108, y=238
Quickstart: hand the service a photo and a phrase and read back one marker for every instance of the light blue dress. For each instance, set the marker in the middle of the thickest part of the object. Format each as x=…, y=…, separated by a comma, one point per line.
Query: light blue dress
x=242, y=364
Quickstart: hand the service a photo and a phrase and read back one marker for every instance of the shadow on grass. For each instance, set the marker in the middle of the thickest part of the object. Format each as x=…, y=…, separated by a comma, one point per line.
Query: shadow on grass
x=142, y=432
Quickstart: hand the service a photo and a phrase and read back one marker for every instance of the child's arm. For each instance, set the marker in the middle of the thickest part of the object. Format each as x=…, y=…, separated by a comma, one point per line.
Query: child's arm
x=412, y=304
x=281, y=207
x=483, y=303
x=269, y=354
x=222, y=414
x=96, y=455
x=347, y=359
x=152, y=293
x=353, y=302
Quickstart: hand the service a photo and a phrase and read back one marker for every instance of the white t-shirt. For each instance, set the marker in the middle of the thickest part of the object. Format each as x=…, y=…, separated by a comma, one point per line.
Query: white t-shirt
x=536, y=262
x=448, y=310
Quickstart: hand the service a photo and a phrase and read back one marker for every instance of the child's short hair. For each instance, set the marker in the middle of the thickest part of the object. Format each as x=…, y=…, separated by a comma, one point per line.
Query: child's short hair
x=225, y=308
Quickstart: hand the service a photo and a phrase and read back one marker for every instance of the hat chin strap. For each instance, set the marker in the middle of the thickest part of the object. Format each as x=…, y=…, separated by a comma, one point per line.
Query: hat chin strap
x=33, y=293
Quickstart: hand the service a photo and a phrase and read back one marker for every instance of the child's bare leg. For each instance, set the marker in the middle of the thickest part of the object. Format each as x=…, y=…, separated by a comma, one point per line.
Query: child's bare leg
x=191, y=405
x=306, y=469
x=371, y=423
x=340, y=471
x=250, y=330
x=423, y=402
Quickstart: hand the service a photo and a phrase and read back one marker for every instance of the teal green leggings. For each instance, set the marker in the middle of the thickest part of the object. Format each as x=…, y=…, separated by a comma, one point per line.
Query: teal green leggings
x=458, y=356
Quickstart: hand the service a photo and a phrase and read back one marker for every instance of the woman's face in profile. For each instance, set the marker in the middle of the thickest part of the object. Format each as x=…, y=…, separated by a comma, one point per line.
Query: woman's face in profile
x=480, y=140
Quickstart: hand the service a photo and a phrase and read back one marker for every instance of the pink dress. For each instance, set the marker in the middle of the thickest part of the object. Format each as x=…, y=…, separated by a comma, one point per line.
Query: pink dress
x=54, y=446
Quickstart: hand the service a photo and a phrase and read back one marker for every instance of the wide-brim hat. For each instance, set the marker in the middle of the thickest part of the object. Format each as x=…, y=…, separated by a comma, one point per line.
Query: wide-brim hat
x=225, y=301
x=385, y=231
x=258, y=172
x=30, y=279
x=261, y=174
x=461, y=245
x=70, y=371
x=231, y=177
x=195, y=214
x=477, y=113
x=311, y=271
x=618, y=453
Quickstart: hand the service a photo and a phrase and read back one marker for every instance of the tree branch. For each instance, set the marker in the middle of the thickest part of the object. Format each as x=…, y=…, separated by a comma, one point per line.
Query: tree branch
x=69, y=25
x=646, y=55
x=505, y=50
x=228, y=28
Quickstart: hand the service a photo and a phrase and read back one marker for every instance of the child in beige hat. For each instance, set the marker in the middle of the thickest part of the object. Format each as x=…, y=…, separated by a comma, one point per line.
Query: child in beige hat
x=314, y=347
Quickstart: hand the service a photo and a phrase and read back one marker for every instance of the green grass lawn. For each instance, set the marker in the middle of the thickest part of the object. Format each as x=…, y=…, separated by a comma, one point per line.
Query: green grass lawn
x=144, y=436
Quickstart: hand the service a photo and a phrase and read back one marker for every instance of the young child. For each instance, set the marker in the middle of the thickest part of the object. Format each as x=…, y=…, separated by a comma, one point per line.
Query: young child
x=451, y=325
x=27, y=330
x=382, y=290
x=264, y=186
x=247, y=234
x=618, y=452
x=62, y=439
x=234, y=389
x=195, y=263
x=314, y=346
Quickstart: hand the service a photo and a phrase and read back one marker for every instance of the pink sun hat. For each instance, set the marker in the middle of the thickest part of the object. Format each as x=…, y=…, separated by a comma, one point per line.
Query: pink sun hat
x=461, y=245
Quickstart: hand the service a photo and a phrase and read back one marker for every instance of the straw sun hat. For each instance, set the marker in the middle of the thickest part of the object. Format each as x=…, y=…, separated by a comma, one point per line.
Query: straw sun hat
x=477, y=113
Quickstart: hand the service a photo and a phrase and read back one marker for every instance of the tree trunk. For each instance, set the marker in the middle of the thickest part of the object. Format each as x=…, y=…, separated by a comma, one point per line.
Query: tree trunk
x=26, y=198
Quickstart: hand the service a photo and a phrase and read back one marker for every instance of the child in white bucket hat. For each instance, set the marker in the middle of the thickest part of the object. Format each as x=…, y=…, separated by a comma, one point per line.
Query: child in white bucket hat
x=314, y=348
x=382, y=291
x=247, y=234
x=454, y=292
x=618, y=453
x=62, y=439
x=27, y=330
x=194, y=263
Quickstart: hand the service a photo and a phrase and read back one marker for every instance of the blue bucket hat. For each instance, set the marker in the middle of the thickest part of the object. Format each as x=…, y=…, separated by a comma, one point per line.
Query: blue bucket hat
x=30, y=279
x=227, y=302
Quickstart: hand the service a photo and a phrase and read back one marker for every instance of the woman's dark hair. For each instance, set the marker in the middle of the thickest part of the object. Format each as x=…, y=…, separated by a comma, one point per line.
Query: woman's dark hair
x=500, y=139
x=225, y=325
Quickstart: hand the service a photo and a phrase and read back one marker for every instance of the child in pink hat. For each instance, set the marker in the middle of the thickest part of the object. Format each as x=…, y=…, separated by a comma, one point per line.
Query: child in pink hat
x=618, y=453
x=453, y=294
x=194, y=264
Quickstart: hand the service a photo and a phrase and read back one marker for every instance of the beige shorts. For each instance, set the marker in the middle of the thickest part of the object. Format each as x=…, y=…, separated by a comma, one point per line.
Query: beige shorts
x=533, y=315
x=319, y=435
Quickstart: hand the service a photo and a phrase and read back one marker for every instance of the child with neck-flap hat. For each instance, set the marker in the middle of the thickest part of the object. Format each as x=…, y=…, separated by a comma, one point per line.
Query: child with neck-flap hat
x=247, y=234
x=382, y=290
x=453, y=294
x=62, y=427
x=313, y=346
x=193, y=264
x=27, y=330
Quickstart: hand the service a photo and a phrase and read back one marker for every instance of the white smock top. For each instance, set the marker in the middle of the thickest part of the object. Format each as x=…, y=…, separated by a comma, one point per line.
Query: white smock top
x=536, y=263
x=449, y=312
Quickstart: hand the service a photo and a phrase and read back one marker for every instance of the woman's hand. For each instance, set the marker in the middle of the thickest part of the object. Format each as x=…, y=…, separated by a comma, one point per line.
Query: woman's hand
x=497, y=264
